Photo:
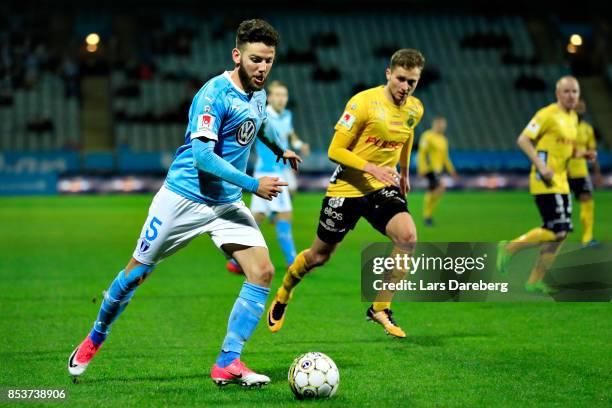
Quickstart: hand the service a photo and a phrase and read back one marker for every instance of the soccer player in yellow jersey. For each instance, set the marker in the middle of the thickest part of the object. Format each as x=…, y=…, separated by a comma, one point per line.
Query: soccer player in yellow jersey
x=549, y=143
x=375, y=131
x=432, y=160
x=578, y=175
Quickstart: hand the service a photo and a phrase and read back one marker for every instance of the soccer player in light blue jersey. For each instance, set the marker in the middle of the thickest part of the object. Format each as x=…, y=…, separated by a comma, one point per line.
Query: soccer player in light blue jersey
x=202, y=194
x=279, y=210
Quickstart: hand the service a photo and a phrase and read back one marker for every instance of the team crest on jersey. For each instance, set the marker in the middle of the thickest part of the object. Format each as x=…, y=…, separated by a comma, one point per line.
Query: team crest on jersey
x=347, y=120
x=411, y=121
x=144, y=246
x=246, y=132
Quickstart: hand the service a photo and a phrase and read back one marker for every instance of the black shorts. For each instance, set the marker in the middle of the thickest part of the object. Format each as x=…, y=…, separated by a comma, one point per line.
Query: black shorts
x=340, y=214
x=556, y=211
x=581, y=185
x=434, y=180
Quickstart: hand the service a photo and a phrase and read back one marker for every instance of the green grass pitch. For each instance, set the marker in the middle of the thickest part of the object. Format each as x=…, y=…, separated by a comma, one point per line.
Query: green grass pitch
x=59, y=253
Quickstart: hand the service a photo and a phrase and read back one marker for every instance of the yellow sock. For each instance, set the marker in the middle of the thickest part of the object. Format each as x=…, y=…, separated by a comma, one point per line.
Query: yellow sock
x=435, y=199
x=587, y=210
x=427, y=210
x=380, y=306
x=293, y=276
x=536, y=235
x=544, y=262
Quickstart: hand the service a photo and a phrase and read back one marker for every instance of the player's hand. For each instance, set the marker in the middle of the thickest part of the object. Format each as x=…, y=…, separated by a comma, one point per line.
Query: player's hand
x=547, y=175
x=270, y=187
x=293, y=158
x=386, y=175
x=305, y=150
x=404, y=184
x=590, y=155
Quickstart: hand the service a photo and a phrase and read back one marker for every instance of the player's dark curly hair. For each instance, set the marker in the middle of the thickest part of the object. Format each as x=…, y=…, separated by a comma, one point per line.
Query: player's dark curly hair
x=407, y=58
x=256, y=30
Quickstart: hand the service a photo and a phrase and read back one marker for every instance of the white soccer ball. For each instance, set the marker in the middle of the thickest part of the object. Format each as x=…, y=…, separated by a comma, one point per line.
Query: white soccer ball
x=313, y=375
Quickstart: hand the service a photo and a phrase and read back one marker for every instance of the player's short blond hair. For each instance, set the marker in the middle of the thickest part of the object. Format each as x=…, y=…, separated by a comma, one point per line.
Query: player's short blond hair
x=564, y=79
x=407, y=58
x=276, y=83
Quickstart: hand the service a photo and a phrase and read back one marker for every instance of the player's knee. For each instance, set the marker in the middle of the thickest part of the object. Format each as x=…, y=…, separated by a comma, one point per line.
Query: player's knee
x=264, y=271
x=318, y=258
x=405, y=238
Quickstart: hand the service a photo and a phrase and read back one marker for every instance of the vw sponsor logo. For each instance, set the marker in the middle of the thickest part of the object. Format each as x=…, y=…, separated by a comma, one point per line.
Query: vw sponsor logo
x=246, y=132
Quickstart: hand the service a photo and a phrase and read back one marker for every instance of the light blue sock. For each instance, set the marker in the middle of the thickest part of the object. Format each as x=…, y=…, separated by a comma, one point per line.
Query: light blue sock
x=242, y=321
x=116, y=299
x=285, y=239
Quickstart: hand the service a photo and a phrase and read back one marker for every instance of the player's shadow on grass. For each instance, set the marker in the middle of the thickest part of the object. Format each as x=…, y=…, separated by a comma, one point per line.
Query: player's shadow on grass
x=440, y=339
x=204, y=375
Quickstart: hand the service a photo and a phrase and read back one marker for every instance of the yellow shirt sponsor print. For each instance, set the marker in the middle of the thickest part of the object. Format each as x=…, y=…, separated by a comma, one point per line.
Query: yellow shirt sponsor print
x=376, y=130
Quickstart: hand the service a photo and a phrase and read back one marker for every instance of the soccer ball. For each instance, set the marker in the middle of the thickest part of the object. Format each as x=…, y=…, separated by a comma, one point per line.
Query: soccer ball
x=313, y=375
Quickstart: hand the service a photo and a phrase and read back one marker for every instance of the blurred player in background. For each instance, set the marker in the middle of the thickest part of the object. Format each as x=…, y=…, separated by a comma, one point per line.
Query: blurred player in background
x=432, y=159
x=375, y=132
x=549, y=142
x=202, y=194
x=280, y=210
x=578, y=175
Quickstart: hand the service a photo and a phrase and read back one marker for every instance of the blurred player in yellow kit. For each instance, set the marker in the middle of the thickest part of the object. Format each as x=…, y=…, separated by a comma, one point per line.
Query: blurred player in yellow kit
x=375, y=132
x=578, y=175
x=549, y=142
x=432, y=160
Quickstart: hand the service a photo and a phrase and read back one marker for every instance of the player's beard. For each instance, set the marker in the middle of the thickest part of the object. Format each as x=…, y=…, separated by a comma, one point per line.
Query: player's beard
x=245, y=79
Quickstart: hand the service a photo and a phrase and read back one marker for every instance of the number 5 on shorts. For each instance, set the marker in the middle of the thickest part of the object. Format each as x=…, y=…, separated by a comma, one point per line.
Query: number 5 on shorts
x=152, y=230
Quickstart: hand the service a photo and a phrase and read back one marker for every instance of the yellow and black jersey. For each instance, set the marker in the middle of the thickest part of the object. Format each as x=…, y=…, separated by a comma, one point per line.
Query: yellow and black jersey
x=375, y=130
x=433, y=154
x=553, y=131
x=585, y=140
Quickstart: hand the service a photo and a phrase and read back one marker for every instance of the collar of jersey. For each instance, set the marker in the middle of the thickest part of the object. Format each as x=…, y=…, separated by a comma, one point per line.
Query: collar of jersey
x=227, y=76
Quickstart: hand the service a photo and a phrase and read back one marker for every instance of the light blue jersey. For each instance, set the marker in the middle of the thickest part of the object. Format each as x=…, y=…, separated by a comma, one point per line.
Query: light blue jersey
x=222, y=112
x=283, y=125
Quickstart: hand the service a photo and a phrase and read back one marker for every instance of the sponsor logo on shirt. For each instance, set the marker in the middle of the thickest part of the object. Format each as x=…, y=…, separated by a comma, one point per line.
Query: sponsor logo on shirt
x=246, y=132
x=384, y=144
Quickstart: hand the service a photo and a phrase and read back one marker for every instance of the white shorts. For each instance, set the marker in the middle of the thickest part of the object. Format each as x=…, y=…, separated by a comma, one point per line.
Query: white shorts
x=173, y=221
x=281, y=203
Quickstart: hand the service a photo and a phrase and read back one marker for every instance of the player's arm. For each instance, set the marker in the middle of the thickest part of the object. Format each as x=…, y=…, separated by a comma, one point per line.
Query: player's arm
x=298, y=144
x=592, y=145
x=206, y=160
x=448, y=164
x=208, y=111
x=422, y=155
x=527, y=141
x=348, y=128
x=526, y=144
x=405, y=166
x=269, y=136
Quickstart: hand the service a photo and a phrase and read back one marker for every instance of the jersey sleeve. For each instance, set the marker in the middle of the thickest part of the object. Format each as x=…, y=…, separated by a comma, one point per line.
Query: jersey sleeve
x=354, y=118
x=535, y=128
x=207, y=112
